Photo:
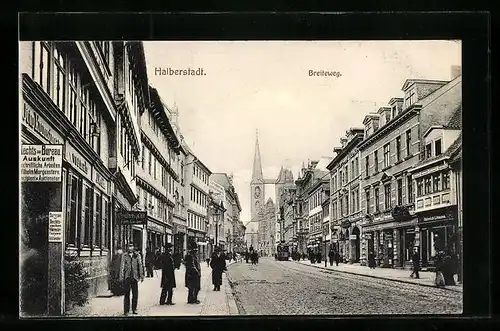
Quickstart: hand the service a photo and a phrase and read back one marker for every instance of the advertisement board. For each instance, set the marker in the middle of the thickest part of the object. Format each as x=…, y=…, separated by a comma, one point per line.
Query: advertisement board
x=41, y=163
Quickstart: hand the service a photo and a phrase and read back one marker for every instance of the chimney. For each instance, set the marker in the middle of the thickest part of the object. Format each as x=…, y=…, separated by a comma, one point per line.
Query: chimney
x=455, y=71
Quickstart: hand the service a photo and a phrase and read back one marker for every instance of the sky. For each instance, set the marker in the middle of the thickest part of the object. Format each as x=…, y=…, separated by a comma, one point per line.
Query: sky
x=265, y=85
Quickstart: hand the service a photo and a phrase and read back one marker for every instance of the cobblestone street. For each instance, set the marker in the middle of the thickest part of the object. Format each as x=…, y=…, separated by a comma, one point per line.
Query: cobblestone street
x=289, y=288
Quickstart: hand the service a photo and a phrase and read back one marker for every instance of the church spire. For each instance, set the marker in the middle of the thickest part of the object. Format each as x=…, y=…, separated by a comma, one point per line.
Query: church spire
x=257, y=165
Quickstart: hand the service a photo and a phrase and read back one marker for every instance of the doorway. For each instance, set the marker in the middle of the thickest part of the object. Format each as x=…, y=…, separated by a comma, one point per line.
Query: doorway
x=355, y=243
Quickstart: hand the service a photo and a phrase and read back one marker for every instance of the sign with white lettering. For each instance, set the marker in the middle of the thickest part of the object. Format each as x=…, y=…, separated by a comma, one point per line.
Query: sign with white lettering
x=77, y=161
x=155, y=227
x=56, y=226
x=352, y=237
x=41, y=163
x=126, y=217
x=32, y=120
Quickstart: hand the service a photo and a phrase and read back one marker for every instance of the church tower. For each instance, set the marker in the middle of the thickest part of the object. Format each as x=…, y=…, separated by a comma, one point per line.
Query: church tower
x=257, y=188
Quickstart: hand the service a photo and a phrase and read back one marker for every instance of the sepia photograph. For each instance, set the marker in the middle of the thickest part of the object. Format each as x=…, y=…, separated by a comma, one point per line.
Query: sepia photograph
x=240, y=178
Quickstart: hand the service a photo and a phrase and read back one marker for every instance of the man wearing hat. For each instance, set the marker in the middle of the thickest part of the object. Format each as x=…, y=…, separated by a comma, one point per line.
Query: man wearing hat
x=193, y=273
x=167, y=275
x=218, y=265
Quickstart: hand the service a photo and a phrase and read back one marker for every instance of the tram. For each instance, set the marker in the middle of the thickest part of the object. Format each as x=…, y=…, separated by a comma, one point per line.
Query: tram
x=283, y=252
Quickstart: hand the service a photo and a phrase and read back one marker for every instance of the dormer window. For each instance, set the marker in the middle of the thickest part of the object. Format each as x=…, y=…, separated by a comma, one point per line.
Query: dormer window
x=410, y=98
x=394, y=111
x=437, y=147
x=428, y=150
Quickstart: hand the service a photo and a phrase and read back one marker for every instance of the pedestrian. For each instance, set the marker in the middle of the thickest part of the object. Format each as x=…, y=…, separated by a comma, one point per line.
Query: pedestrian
x=247, y=256
x=438, y=264
x=448, y=268
x=167, y=276
x=234, y=256
x=208, y=261
x=331, y=256
x=193, y=273
x=218, y=265
x=337, y=258
x=116, y=285
x=149, y=262
x=415, y=258
x=319, y=258
x=131, y=271
x=371, y=260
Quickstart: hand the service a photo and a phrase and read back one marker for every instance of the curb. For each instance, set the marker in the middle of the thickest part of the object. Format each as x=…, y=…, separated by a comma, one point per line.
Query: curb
x=380, y=277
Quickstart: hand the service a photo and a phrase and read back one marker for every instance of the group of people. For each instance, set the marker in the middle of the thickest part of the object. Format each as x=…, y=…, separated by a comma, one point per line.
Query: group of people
x=252, y=255
x=128, y=270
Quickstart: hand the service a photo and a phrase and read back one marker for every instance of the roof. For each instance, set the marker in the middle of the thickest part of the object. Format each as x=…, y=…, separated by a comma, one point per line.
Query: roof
x=455, y=121
x=450, y=152
x=411, y=81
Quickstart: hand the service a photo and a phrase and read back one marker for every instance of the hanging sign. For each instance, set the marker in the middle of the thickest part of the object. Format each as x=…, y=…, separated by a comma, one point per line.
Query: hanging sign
x=56, y=226
x=41, y=163
x=127, y=217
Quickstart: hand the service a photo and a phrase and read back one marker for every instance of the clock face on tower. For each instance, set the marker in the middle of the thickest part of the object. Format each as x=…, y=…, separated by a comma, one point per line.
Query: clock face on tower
x=257, y=192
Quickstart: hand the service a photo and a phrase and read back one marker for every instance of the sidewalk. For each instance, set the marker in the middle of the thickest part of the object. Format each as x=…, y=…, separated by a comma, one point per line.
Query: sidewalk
x=212, y=302
x=398, y=275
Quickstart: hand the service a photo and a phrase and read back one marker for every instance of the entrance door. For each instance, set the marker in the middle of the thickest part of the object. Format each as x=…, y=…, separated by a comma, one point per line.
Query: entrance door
x=356, y=245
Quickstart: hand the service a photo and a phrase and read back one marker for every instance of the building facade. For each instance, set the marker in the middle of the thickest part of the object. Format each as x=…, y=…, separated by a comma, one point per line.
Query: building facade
x=391, y=147
x=218, y=194
x=198, y=176
x=437, y=191
x=81, y=100
x=345, y=198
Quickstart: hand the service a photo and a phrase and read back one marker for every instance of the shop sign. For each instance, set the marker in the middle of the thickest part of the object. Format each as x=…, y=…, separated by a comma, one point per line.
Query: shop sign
x=353, y=237
x=32, y=120
x=155, y=227
x=132, y=217
x=41, y=163
x=434, y=218
x=77, y=160
x=56, y=226
x=100, y=180
x=388, y=236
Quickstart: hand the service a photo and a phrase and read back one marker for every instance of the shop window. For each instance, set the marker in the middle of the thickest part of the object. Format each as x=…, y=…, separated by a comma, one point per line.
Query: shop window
x=87, y=209
x=105, y=225
x=98, y=221
x=72, y=220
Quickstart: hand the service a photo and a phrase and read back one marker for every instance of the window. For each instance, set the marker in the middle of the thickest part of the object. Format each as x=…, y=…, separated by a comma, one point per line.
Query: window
x=409, y=182
x=73, y=96
x=437, y=147
x=428, y=151
x=73, y=219
x=87, y=226
x=377, y=199
x=446, y=180
x=408, y=143
x=347, y=204
x=356, y=196
x=375, y=157
x=400, y=191
x=420, y=186
x=59, y=80
x=427, y=185
x=341, y=206
x=352, y=169
x=387, y=196
x=105, y=225
x=367, y=165
x=353, y=204
x=393, y=110
x=436, y=181
x=150, y=165
x=386, y=155
x=98, y=221
x=398, y=148
x=367, y=197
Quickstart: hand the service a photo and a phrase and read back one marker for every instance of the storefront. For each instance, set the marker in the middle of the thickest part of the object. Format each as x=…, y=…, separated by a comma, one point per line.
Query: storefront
x=156, y=234
x=438, y=232
x=391, y=242
x=179, y=233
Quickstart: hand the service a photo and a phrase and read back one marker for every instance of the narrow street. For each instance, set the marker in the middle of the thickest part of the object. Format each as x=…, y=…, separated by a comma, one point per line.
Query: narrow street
x=288, y=288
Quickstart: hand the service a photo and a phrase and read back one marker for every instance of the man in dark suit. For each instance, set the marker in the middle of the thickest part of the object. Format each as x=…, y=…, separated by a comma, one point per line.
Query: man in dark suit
x=193, y=273
x=131, y=271
x=167, y=276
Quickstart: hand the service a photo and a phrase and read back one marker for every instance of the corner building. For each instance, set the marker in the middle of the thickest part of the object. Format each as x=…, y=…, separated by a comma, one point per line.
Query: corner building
x=84, y=97
x=391, y=147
